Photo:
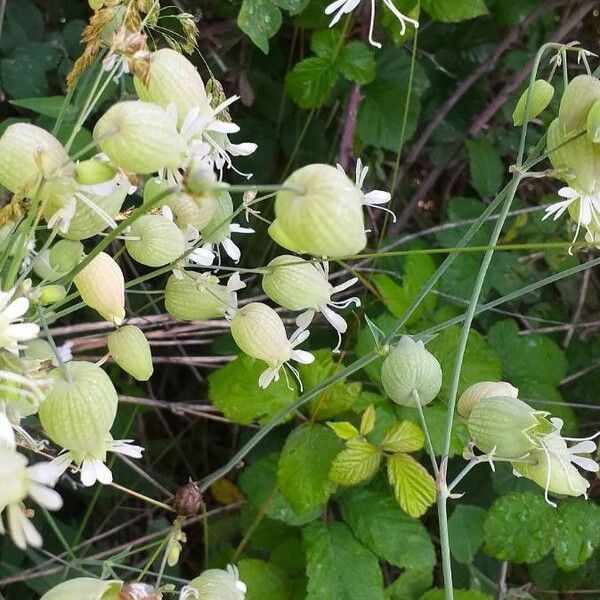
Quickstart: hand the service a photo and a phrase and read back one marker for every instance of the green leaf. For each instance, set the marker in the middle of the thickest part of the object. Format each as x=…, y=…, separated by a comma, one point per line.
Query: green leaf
x=357, y=63
x=310, y=82
x=486, y=167
x=258, y=481
x=263, y=580
x=577, y=533
x=466, y=532
x=410, y=585
x=414, y=487
x=365, y=344
x=338, y=566
x=49, y=106
x=260, y=20
x=481, y=363
x=367, y=422
x=325, y=43
x=452, y=11
x=438, y=594
x=234, y=390
x=357, y=462
x=379, y=523
x=520, y=527
x=294, y=7
x=303, y=473
x=343, y=429
x=403, y=436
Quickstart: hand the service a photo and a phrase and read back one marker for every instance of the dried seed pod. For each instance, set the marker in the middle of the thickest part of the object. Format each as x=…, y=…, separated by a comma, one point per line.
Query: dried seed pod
x=102, y=287
x=136, y=590
x=130, y=349
x=85, y=588
x=320, y=213
x=482, y=390
x=541, y=95
x=160, y=241
x=576, y=102
x=195, y=297
x=173, y=79
x=411, y=367
x=188, y=500
x=80, y=409
x=140, y=137
x=196, y=211
x=28, y=153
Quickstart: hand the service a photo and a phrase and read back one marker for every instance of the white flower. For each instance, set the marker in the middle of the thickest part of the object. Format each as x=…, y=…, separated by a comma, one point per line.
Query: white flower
x=94, y=469
x=204, y=255
x=304, y=319
x=12, y=328
x=18, y=482
x=61, y=219
x=7, y=435
x=343, y=7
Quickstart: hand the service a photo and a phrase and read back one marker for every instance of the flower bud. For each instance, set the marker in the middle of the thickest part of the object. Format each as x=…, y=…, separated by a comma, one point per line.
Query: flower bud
x=576, y=102
x=295, y=284
x=173, y=79
x=539, y=99
x=65, y=255
x=411, y=367
x=259, y=332
x=102, y=287
x=195, y=297
x=49, y=294
x=131, y=351
x=507, y=426
x=160, y=241
x=188, y=500
x=482, y=390
x=140, y=137
x=85, y=588
x=593, y=122
x=93, y=171
x=215, y=584
x=80, y=409
x=25, y=399
x=28, y=153
x=196, y=211
x=217, y=228
x=155, y=187
x=321, y=214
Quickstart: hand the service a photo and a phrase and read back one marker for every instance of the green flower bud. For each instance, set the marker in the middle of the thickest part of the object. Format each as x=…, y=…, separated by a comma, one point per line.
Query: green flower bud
x=160, y=241
x=27, y=154
x=85, y=588
x=217, y=228
x=323, y=216
x=507, y=426
x=41, y=265
x=130, y=349
x=65, y=255
x=482, y=390
x=411, y=367
x=541, y=96
x=49, y=294
x=216, y=584
x=93, y=171
x=102, y=287
x=154, y=187
x=80, y=409
x=576, y=102
x=173, y=79
x=195, y=297
x=140, y=137
x=593, y=122
x=196, y=211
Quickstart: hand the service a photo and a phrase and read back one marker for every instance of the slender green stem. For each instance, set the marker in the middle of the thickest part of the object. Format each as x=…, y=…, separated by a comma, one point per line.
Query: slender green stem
x=428, y=444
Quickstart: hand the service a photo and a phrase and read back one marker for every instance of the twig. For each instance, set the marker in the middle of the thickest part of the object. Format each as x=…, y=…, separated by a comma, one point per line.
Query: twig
x=347, y=142
x=585, y=282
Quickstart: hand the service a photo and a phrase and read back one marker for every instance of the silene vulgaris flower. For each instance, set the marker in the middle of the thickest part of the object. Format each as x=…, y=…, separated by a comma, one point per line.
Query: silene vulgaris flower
x=13, y=329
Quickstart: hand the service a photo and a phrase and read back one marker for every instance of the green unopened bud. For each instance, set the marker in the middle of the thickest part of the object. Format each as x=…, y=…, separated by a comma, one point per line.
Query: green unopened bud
x=482, y=390
x=85, y=588
x=153, y=188
x=49, y=294
x=216, y=584
x=539, y=99
x=593, y=123
x=196, y=211
x=80, y=409
x=576, y=102
x=27, y=154
x=130, y=349
x=173, y=80
x=41, y=265
x=320, y=213
x=410, y=368
x=160, y=241
x=507, y=426
x=92, y=171
x=65, y=255
x=195, y=297
x=140, y=137
x=295, y=284
x=217, y=228
x=102, y=287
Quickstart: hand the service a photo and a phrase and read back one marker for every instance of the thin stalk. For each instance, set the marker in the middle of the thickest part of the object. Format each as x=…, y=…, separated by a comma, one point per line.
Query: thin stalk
x=428, y=444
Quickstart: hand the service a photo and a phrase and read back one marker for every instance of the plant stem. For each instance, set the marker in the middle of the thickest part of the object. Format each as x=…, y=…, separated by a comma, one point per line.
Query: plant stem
x=428, y=444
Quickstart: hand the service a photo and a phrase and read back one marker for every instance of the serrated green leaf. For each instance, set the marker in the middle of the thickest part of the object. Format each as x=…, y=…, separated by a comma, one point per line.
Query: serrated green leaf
x=413, y=486
x=263, y=580
x=577, y=533
x=367, y=421
x=234, y=390
x=338, y=566
x=486, y=167
x=357, y=462
x=410, y=585
x=310, y=82
x=466, y=532
x=383, y=527
x=325, y=43
x=520, y=527
x=452, y=11
x=343, y=429
x=260, y=20
x=403, y=436
x=304, y=464
x=357, y=63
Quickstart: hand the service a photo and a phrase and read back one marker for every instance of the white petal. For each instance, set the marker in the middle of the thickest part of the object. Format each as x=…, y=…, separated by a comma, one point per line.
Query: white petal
x=17, y=308
x=45, y=496
x=7, y=435
x=237, y=228
x=231, y=250
x=331, y=8
x=22, y=331
x=235, y=283
x=303, y=320
x=21, y=530
x=202, y=257
x=583, y=447
x=337, y=321
x=126, y=448
x=244, y=149
x=299, y=336
x=377, y=197
x=344, y=286
x=267, y=376
x=301, y=356
x=568, y=192
x=223, y=127
x=48, y=473
x=585, y=463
